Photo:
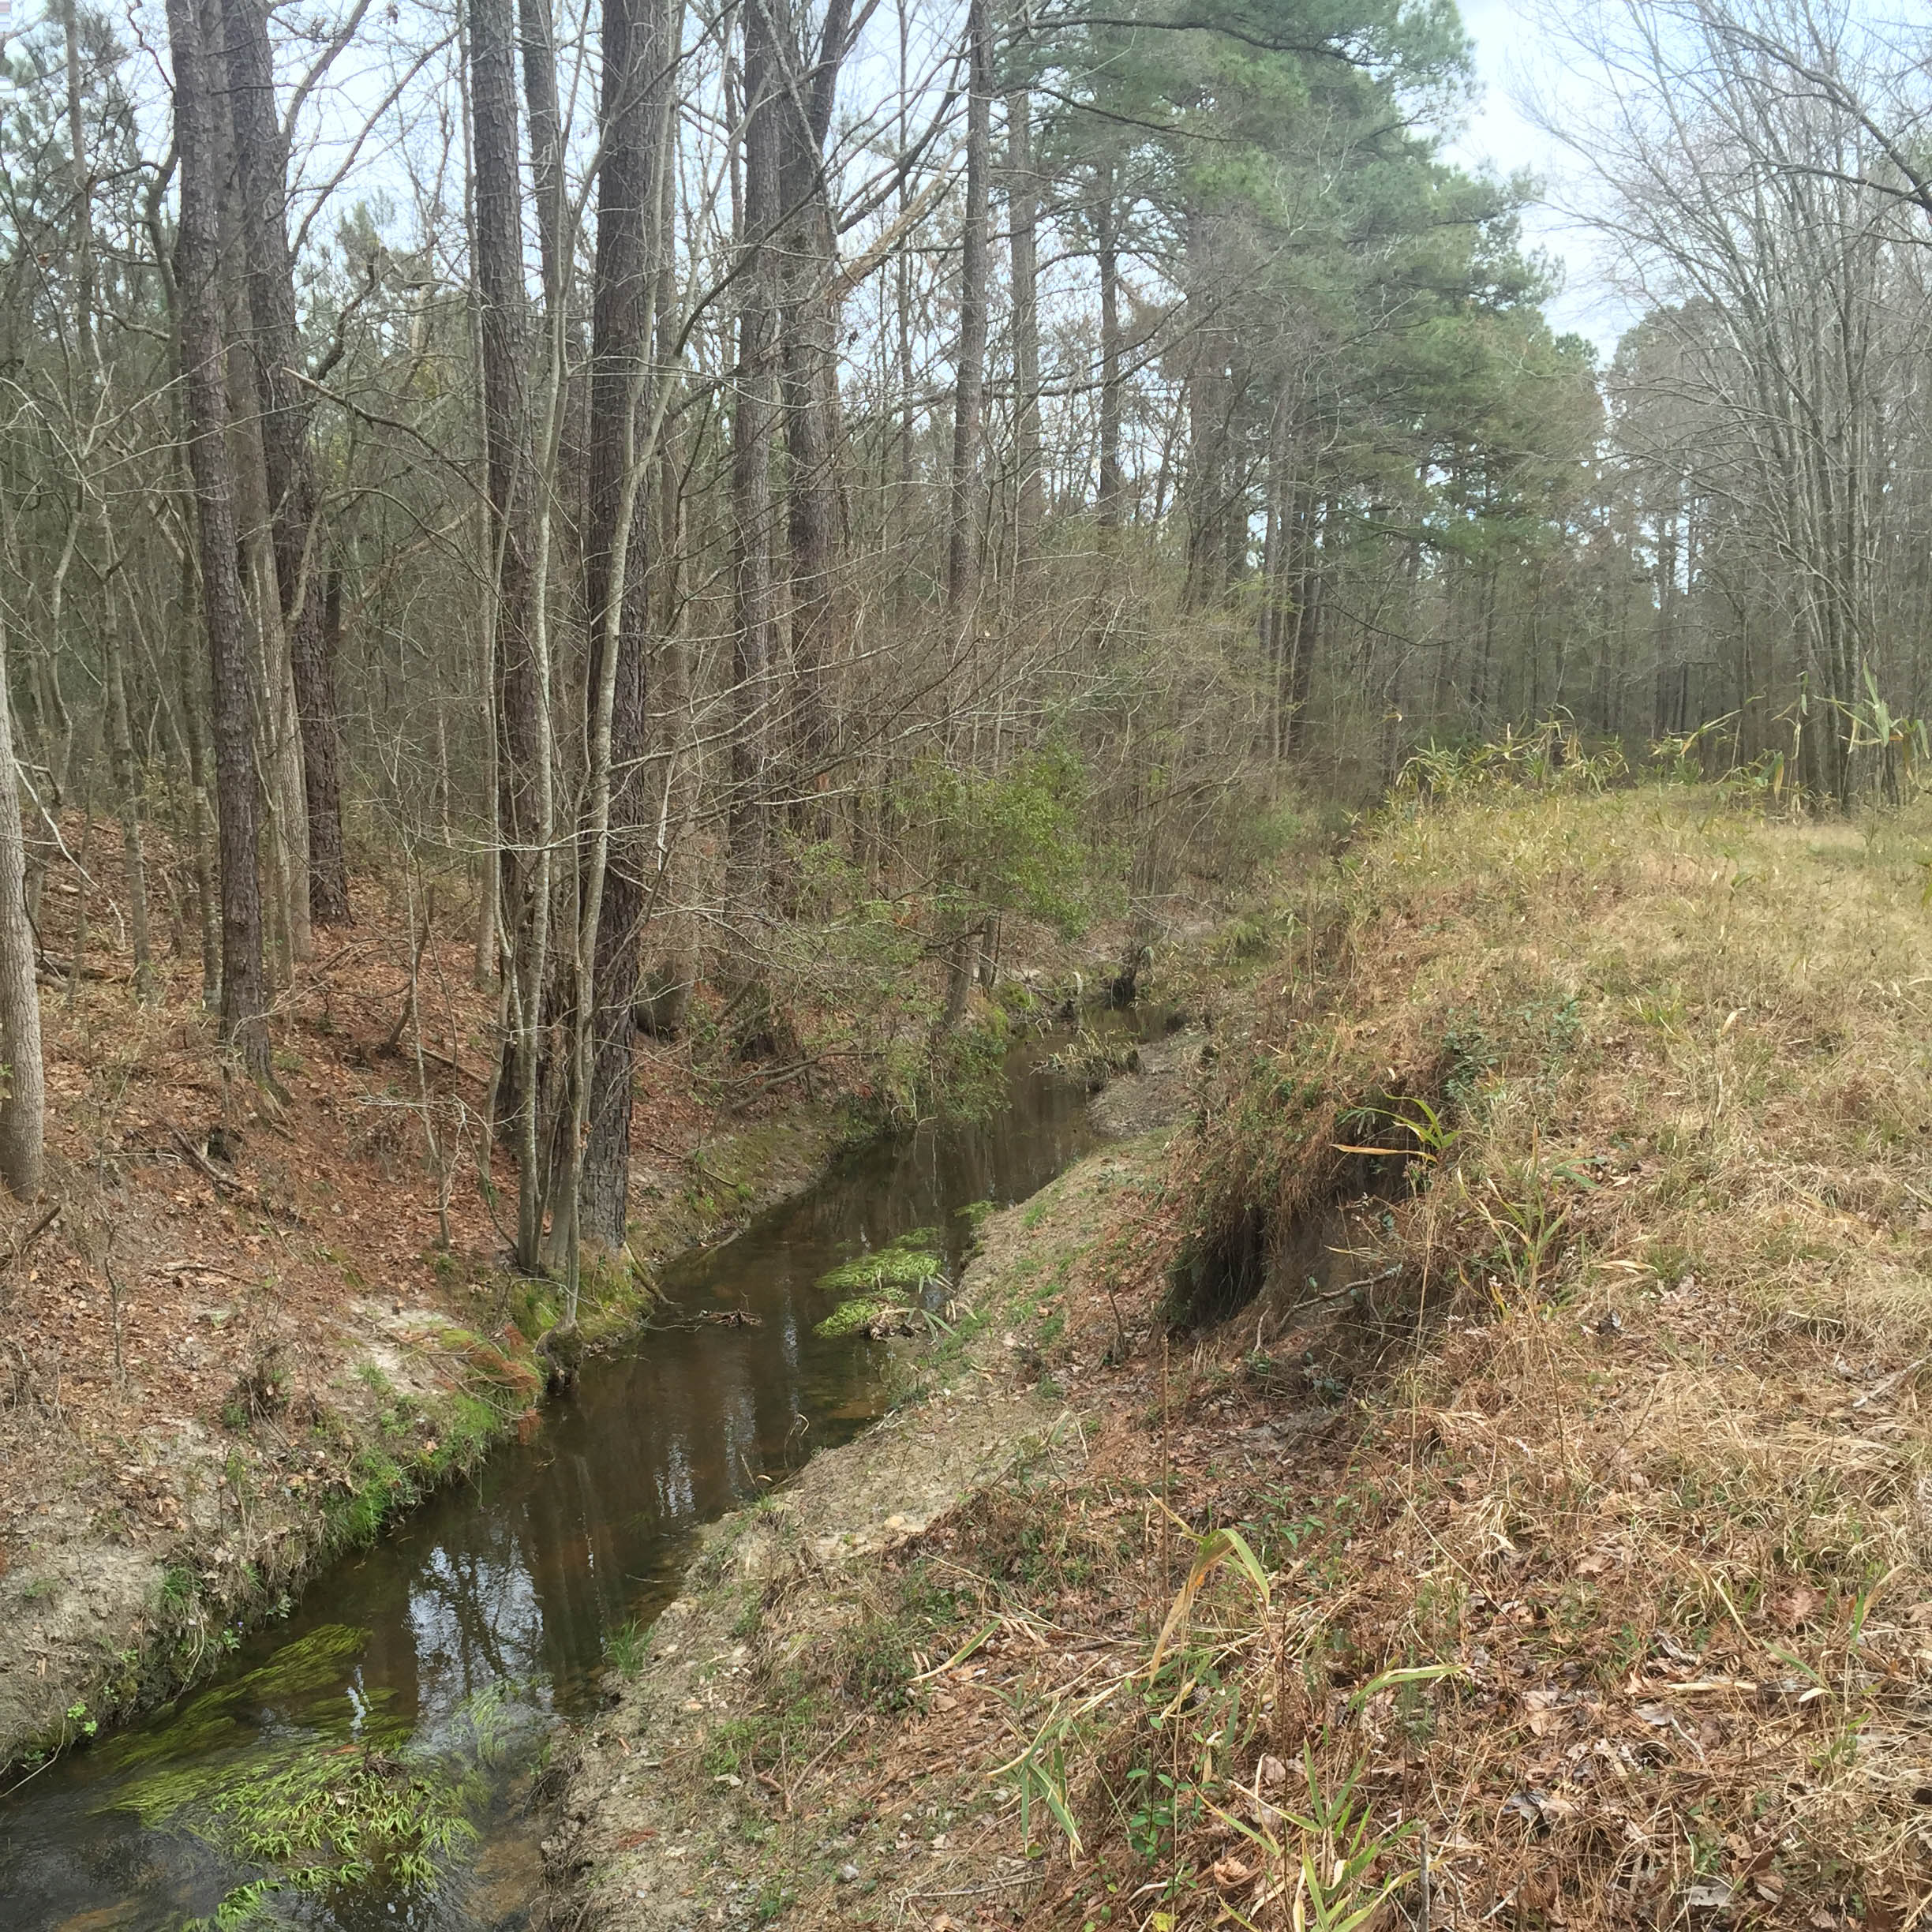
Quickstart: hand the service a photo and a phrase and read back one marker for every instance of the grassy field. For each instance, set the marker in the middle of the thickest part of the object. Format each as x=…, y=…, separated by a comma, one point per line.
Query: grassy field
x=1614, y=1600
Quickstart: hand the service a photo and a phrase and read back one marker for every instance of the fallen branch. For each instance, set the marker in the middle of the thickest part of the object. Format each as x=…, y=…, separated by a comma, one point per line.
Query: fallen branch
x=219, y=1181
x=59, y=971
x=456, y=1065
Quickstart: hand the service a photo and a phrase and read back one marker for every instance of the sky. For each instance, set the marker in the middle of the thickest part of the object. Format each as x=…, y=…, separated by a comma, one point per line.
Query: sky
x=1500, y=135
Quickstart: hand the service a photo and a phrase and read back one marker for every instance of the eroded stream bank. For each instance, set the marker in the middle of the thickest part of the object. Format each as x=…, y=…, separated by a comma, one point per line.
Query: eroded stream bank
x=428, y=1667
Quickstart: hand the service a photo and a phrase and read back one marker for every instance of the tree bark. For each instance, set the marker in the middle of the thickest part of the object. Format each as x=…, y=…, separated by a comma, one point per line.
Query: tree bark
x=537, y=28
x=1106, y=257
x=1023, y=200
x=83, y=198
x=518, y=726
x=244, y=1025
x=127, y=788
x=752, y=423
x=962, y=536
x=617, y=585
x=261, y=161
x=23, y=1111
x=806, y=264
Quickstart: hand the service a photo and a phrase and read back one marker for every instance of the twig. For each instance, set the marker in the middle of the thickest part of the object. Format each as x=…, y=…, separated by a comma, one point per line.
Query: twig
x=23, y=1242
x=798, y=1783
x=456, y=1065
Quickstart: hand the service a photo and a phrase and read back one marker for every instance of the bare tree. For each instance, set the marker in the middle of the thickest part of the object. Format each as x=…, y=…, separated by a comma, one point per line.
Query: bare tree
x=261, y=165
x=963, y=536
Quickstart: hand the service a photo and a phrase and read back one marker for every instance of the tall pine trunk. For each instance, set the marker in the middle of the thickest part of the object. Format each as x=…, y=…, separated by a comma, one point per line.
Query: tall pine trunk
x=198, y=252
x=636, y=42
x=519, y=727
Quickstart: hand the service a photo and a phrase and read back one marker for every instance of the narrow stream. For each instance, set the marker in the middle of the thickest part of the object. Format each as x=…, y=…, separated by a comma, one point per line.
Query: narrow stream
x=456, y=1639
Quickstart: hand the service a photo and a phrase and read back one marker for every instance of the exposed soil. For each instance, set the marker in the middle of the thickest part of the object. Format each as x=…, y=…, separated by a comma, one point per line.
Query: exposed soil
x=1154, y=1093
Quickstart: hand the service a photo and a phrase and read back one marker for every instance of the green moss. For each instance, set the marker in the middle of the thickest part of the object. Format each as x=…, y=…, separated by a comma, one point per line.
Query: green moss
x=469, y=1426
x=322, y=1809
x=376, y=1484
x=189, y=1753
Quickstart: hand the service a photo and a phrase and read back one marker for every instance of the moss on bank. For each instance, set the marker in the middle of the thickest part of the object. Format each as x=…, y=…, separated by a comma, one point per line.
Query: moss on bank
x=420, y=1401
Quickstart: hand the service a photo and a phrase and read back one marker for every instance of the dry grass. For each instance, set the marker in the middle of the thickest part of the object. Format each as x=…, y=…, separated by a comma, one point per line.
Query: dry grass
x=1537, y=1539
x=1579, y=1488
x=1639, y=1479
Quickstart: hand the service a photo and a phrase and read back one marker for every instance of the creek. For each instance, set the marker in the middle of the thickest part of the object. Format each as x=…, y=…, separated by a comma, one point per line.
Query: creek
x=448, y=1650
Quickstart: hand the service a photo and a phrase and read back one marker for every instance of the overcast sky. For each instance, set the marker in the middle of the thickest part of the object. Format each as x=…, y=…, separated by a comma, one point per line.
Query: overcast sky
x=1499, y=136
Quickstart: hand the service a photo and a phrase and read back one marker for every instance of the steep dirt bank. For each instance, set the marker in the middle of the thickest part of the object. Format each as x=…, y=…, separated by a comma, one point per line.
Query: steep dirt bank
x=234, y=1338
x=240, y=1342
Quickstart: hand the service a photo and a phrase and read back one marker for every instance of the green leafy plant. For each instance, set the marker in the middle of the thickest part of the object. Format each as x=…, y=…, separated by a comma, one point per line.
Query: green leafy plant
x=907, y=1263
x=1335, y=1852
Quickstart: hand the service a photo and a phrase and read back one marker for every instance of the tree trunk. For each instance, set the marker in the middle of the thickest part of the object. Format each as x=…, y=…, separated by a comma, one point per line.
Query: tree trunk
x=23, y=1111
x=197, y=268
x=518, y=729
x=1106, y=256
x=962, y=536
x=261, y=161
x=617, y=586
x=83, y=198
x=1023, y=198
x=127, y=788
x=751, y=454
x=550, y=187
x=807, y=266
x=194, y=728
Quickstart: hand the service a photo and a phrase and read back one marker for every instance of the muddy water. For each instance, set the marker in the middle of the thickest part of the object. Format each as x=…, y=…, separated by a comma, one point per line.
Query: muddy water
x=455, y=1642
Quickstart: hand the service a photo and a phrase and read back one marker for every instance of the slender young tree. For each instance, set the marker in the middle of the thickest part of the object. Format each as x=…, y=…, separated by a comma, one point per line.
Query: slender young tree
x=1023, y=201
x=806, y=263
x=23, y=1108
x=963, y=518
x=261, y=169
x=1107, y=259
x=754, y=414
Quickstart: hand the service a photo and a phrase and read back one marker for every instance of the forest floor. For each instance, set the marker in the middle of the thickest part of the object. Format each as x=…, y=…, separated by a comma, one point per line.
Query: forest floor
x=1473, y=1471
x=233, y=1339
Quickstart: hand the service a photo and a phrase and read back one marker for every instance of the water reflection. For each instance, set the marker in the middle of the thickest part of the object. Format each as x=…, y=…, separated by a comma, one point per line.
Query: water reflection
x=505, y=1588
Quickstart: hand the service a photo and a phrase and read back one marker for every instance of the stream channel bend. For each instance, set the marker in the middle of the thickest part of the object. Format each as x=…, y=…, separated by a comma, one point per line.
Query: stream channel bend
x=481, y=1618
